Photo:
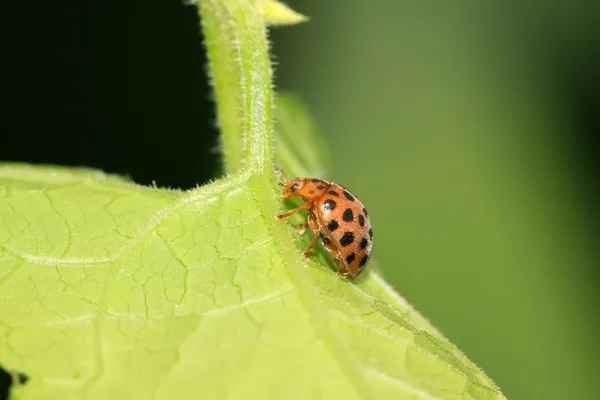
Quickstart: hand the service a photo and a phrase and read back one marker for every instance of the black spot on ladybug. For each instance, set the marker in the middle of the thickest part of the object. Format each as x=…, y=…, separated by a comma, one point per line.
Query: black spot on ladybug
x=364, y=242
x=315, y=180
x=333, y=193
x=348, y=216
x=363, y=261
x=325, y=238
x=332, y=225
x=311, y=191
x=329, y=204
x=365, y=211
x=347, y=238
x=294, y=187
x=371, y=233
x=348, y=196
x=361, y=220
x=350, y=258
x=320, y=187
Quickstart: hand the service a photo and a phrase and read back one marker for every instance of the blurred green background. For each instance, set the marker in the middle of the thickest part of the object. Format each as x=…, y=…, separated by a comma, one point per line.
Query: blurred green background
x=469, y=129
x=463, y=128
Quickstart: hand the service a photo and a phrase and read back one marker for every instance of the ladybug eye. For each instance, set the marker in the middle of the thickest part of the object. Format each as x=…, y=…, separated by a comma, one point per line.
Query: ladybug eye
x=294, y=187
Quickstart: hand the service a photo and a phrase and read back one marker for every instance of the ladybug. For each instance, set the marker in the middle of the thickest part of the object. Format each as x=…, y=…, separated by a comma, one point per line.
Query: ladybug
x=337, y=217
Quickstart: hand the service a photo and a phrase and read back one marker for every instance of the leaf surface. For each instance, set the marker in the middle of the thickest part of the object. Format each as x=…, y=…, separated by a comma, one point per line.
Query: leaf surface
x=108, y=287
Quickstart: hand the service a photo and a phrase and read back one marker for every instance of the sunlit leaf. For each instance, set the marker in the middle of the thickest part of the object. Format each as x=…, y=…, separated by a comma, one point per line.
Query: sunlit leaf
x=114, y=288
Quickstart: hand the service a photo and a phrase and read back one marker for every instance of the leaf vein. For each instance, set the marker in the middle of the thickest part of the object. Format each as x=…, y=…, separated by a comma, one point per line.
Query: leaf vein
x=205, y=193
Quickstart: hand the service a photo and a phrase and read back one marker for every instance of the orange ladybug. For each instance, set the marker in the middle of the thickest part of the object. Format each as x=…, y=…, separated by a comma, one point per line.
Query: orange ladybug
x=336, y=216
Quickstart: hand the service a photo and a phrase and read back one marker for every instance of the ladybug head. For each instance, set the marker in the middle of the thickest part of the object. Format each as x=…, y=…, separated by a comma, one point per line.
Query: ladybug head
x=292, y=188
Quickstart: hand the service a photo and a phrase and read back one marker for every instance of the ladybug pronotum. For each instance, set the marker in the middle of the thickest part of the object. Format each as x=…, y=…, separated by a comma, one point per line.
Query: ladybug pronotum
x=337, y=217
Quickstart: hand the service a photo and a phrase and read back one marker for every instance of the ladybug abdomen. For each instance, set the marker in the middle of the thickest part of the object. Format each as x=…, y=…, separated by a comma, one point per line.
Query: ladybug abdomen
x=344, y=221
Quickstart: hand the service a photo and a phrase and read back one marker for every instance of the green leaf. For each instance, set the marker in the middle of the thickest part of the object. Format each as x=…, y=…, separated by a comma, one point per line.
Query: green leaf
x=110, y=289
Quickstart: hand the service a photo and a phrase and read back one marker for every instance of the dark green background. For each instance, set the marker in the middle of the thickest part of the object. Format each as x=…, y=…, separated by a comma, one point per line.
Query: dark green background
x=470, y=131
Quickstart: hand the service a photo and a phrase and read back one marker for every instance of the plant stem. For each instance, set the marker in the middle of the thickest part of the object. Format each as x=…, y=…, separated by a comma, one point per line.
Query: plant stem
x=237, y=47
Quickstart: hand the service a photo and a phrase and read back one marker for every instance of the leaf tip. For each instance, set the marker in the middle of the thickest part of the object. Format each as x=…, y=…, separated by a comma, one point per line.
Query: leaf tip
x=277, y=13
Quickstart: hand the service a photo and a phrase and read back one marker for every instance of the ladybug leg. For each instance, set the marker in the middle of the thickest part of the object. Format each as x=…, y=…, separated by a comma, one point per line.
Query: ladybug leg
x=306, y=205
x=342, y=270
x=315, y=228
x=342, y=267
x=310, y=246
x=310, y=220
x=302, y=228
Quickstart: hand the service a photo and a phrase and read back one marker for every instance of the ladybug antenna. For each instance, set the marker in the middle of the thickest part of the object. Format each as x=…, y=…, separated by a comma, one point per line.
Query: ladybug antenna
x=284, y=174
